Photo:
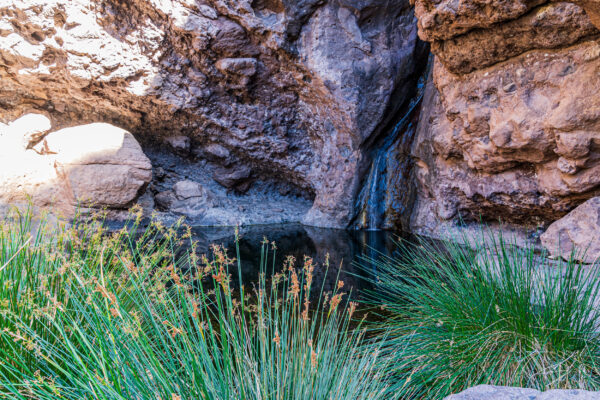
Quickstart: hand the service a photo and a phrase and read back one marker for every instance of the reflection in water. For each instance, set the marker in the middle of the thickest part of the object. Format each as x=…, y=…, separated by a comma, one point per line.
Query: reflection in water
x=344, y=248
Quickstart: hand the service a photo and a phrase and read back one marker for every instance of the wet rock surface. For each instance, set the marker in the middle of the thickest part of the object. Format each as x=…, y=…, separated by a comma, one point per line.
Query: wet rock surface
x=290, y=90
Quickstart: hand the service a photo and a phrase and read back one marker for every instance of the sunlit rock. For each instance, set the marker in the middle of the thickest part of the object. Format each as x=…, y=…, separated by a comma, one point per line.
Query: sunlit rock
x=289, y=89
x=23, y=133
x=105, y=166
x=88, y=166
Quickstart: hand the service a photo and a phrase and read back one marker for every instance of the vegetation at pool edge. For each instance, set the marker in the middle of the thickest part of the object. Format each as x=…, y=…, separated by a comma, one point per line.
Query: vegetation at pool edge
x=487, y=312
x=88, y=314
x=91, y=315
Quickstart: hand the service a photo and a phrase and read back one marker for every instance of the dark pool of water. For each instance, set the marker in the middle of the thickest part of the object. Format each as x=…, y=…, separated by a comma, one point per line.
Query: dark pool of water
x=346, y=249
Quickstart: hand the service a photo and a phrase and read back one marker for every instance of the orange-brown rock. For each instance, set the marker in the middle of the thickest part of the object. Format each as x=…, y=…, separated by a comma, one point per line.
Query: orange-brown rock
x=547, y=27
x=592, y=7
x=510, y=128
x=445, y=19
x=476, y=34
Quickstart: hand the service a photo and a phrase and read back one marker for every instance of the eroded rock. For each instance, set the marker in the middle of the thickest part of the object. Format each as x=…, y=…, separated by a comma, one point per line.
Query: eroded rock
x=237, y=177
x=180, y=144
x=239, y=71
x=547, y=27
x=292, y=89
x=592, y=8
x=577, y=233
x=216, y=152
x=509, y=129
x=444, y=19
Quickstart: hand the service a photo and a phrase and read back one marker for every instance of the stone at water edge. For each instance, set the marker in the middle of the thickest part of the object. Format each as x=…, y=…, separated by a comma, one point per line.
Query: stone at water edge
x=578, y=231
x=187, y=198
x=487, y=392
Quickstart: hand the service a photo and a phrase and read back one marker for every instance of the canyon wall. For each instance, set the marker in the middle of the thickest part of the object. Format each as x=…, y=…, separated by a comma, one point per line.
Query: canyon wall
x=510, y=127
x=277, y=111
x=243, y=102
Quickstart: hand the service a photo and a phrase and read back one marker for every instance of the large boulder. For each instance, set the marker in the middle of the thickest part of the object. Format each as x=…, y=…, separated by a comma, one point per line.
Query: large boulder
x=291, y=89
x=105, y=165
x=89, y=166
x=487, y=392
x=577, y=234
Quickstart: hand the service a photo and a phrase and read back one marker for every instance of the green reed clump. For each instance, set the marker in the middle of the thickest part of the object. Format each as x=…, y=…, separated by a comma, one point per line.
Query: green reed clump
x=488, y=313
x=88, y=314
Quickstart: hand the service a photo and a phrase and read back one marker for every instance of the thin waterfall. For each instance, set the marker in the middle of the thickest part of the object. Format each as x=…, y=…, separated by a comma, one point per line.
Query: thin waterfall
x=386, y=194
x=372, y=203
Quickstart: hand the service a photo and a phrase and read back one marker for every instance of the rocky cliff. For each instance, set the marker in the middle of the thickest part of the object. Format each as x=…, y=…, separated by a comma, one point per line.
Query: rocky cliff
x=510, y=127
x=278, y=110
x=257, y=101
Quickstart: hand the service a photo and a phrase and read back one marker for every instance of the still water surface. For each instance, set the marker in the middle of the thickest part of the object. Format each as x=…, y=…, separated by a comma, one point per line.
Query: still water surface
x=345, y=249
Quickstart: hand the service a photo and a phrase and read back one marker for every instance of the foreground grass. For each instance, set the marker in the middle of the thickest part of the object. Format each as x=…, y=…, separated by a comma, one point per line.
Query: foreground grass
x=488, y=314
x=85, y=314
x=88, y=315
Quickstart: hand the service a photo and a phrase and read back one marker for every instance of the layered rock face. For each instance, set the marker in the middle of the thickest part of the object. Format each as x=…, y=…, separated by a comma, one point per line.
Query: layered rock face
x=510, y=127
x=276, y=91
